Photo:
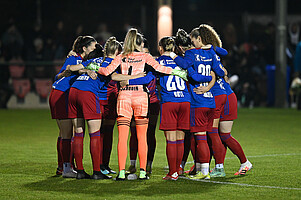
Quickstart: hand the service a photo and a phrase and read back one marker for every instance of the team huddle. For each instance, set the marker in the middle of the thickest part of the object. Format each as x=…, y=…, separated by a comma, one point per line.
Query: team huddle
x=187, y=85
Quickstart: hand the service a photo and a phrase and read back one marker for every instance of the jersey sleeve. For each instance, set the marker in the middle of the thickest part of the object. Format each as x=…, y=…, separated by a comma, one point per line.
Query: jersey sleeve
x=181, y=62
x=69, y=61
x=87, y=62
x=159, y=68
x=198, y=77
x=189, y=58
x=216, y=65
x=111, y=67
x=142, y=80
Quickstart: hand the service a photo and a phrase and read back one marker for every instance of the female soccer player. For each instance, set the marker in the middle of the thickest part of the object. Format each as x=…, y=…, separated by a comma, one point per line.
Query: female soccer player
x=133, y=99
x=175, y=109
x=154, y=109
x=228, y=114
x=85, y=103
x=58, y=101
x=203, y=60
x=208, y=36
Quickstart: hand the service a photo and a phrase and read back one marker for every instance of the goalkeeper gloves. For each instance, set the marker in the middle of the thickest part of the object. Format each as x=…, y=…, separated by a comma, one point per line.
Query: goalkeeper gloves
x=93, y=66
x=180, y=73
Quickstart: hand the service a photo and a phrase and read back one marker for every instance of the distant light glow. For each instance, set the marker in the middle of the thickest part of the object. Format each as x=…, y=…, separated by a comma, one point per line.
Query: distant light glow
x=164, y=22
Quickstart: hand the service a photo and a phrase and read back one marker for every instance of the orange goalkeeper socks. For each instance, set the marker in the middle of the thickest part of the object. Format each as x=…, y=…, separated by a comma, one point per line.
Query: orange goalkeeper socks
x=123, y=125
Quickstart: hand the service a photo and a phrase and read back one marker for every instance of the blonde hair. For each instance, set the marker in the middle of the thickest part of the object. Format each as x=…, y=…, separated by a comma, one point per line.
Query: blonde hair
x=167, y=43
x=207, y=34
x=132, y=40
x=110, y=47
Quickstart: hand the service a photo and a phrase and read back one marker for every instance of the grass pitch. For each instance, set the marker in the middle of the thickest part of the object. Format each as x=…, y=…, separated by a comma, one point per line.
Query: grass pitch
x=271, y=139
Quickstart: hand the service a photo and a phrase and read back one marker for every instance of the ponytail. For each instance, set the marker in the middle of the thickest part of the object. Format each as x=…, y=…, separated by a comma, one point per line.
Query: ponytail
x=131, y=41
x=110, y=47
x=80, y=42
x=167, y=43
x=182, y=39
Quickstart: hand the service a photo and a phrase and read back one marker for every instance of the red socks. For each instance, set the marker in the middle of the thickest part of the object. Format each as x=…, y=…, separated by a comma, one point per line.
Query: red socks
x=59, y=153
x=203, y=152
x=234, y=146
x=66, y=150
x=216, y=145
x=78, y=150
x=171, y=153
x=174, y=153
x=95, y=147
x=180, y=152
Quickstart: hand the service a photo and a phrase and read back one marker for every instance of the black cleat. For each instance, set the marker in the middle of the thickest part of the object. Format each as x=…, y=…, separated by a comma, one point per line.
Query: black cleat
x=109, y=169
x=81, y=174
x=59, y=171
x=97, y=175
x=119, y=179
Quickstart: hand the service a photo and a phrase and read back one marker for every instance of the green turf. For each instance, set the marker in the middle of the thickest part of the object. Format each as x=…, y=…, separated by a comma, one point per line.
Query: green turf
x=270, y=137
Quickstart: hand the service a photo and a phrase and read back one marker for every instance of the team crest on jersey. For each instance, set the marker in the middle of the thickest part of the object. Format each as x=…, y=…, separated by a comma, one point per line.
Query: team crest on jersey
x=170, y=62
x=202, y=58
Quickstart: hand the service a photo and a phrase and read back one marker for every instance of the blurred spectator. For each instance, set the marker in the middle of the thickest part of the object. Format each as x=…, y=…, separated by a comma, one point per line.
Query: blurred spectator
x=292, y=42
x=5, y=89
x=297, y=59
x=102, y=34
x=60, y=41
x=39, y=53
x=12, y=41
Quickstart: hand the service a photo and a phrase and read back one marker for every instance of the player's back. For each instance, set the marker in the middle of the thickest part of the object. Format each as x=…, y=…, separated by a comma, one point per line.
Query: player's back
x=133, y=63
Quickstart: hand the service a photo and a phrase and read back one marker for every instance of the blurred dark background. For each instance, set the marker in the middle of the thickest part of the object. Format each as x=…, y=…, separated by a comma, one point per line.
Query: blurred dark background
x=36, y=35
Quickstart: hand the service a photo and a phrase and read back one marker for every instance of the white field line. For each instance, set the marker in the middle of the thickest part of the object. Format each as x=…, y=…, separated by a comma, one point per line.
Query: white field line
x=242, y=184
x=248, y=185
x=259, y=156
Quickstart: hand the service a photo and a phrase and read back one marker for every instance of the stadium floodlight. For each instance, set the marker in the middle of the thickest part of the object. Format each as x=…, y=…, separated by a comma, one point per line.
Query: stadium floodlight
x=164, y=19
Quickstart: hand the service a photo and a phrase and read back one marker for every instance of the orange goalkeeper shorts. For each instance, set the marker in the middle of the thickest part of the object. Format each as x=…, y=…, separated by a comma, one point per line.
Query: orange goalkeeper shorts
x=131, y=102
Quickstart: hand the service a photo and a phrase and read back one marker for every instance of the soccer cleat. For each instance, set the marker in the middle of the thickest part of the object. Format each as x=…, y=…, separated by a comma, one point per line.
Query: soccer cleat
x=148, y=169
x=192, y=170
x=143, y=175
x=172, y=177
x=200, y=175
x=59, y=171
x=69, y=174
x=110, y=170
x=97, y=175
x=131, y=170
x=103, y=170
x=81, y=174
x=217, y=172
x=120, y=176
x=247, y=166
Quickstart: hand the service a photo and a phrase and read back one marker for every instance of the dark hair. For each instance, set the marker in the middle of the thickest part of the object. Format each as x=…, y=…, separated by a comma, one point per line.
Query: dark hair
x=96, y=53
x=82, y=41
x=182, y=38
x=146, y=45
x=207, y=34
x=167, y=43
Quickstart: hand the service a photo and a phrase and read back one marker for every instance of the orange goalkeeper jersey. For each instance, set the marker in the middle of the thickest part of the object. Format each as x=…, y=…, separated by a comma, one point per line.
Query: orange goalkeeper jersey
x=133, y=64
